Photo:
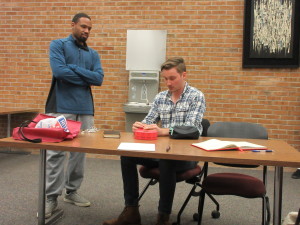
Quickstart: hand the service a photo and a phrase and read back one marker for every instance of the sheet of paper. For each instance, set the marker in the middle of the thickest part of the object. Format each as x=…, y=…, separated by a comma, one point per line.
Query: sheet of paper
x=136, y=147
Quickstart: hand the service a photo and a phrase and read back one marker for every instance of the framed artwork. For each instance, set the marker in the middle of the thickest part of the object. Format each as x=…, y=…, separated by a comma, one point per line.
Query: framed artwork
x=271, y=34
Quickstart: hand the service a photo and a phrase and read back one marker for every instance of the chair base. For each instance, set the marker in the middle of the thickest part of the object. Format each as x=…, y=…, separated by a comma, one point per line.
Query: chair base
x=192, y=176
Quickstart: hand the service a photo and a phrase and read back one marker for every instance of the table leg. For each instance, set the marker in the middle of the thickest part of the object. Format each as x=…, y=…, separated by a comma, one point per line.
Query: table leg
x=7, y=133
x=8, y=125
x=42, y=185
x=277, y=195
x=42, y=194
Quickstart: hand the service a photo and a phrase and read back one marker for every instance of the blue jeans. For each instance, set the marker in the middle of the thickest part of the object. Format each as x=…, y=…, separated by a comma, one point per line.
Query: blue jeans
x=167, y=180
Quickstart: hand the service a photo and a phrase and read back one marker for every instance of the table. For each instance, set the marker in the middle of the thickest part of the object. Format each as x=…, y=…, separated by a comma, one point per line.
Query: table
x=9, y=112
x=283, y=155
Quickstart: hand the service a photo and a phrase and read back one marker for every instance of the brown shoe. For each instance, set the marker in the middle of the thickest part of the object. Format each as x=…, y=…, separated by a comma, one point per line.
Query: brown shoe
x=129, y=216
x=163, y=219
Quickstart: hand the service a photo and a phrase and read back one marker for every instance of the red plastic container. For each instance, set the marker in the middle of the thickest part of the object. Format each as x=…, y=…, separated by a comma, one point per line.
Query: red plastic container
x=142, y=134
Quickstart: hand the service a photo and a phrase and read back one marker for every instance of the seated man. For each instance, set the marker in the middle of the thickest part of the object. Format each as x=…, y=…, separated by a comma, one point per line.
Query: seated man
x=180, y=105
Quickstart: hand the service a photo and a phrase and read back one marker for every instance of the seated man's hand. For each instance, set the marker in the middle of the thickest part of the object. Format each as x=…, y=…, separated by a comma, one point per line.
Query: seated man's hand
x=160, y=131
x=138, y=125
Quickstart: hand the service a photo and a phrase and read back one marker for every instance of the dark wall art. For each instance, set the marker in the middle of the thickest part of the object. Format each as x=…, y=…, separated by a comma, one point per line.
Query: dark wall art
x=271, y=33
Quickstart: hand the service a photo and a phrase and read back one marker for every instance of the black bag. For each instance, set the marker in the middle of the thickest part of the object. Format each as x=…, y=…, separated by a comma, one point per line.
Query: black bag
x=184, y=132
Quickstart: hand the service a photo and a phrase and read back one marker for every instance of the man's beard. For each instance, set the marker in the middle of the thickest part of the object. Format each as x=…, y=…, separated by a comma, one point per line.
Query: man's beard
x=82, y=39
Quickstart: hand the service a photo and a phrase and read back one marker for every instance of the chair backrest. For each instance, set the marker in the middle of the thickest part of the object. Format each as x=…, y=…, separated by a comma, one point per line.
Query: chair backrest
x=205, y=125
x=237, y=130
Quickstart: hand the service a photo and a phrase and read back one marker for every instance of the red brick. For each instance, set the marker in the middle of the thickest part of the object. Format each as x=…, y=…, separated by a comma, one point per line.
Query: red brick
x=208, y=34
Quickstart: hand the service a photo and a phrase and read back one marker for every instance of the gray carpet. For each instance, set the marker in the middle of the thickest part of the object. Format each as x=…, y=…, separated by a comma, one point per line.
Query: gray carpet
x=103, y=186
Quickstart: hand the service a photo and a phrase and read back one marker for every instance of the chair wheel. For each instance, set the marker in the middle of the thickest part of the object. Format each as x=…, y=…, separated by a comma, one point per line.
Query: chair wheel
x=195, y=216
x=215, y=214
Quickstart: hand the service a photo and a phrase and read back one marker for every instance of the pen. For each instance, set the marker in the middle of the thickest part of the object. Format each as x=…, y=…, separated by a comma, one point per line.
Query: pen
x=262, y=150
x=168, y=148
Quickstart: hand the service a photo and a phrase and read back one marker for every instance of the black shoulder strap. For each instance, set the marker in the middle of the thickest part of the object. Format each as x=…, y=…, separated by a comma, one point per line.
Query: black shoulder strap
x=20, y=132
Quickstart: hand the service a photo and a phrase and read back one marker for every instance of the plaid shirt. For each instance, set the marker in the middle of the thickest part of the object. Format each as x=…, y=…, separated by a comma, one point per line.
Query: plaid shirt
x=188, y=110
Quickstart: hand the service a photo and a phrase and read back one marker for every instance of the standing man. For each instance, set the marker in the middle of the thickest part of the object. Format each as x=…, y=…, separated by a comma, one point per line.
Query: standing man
x=75, y=68
x=181, y=104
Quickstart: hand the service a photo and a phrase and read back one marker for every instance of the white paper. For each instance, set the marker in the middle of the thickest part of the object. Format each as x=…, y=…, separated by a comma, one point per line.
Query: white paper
x=136, y=147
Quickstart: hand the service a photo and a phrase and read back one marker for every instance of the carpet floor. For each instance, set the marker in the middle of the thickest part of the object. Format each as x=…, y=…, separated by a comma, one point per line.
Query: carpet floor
x=102, y=185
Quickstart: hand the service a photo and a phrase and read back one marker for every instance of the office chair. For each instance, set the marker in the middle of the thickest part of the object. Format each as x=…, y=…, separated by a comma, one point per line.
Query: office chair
x=235, y=183
x=192, y=176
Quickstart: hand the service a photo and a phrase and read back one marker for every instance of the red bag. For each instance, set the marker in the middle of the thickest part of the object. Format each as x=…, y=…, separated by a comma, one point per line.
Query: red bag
x=28, y=132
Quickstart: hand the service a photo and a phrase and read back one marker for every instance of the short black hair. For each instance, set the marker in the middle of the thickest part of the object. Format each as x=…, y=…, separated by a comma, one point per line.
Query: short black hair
x=78, y=16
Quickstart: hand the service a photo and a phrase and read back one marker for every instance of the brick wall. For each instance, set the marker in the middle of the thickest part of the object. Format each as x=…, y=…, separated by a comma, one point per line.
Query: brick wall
x=208, y=34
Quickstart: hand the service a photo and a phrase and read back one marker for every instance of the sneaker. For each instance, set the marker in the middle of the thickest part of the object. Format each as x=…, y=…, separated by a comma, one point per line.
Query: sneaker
x=296, y=174
x=74, y=198
x=51, y=205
